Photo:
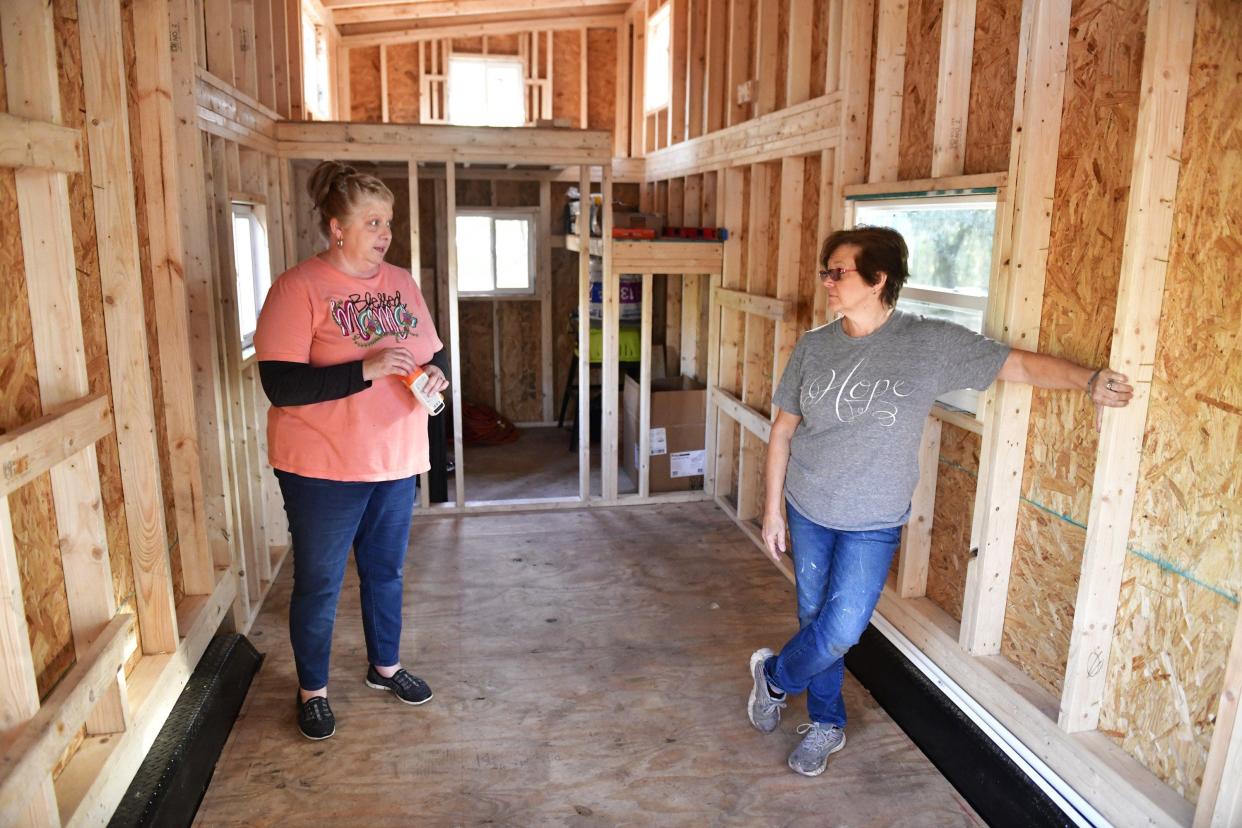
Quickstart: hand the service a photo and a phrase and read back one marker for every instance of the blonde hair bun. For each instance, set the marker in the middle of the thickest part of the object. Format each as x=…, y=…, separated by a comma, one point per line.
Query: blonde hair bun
x=337, y=191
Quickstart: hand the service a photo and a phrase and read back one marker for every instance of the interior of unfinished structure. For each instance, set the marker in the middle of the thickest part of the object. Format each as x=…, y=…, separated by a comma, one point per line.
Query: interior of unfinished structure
x=615, y=210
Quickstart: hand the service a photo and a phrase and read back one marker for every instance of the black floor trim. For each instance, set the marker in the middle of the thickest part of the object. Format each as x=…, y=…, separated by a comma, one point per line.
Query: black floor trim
x=982, y=773
x=172, y=779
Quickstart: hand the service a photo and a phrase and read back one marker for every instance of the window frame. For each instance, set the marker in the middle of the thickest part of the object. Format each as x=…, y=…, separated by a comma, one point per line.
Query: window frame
x=967, y=401
x=260, y=261
x=515, y=60
x=531, y=215
x=663, y=17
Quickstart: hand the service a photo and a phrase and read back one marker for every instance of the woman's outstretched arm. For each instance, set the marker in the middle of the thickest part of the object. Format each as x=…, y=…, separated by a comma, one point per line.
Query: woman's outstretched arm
x=1104, y=386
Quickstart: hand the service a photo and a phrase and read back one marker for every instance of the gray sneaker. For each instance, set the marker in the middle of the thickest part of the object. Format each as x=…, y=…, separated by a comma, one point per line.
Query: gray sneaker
x=764, y=710
x=810, y=757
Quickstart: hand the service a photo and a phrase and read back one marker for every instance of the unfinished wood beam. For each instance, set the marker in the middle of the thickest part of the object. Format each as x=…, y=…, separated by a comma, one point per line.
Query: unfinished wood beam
x=543, y=235
x=245, y=51
x=39, y=145
x=678, y=42
x=755, y=367
x=767, y=56
x=1032, y=170
x=890, y=73
x=696, y=66
x=428, y=9
x=384, y=84
x=739, y=65
x=543, y=24
x=450, y=244
x=957, y=43
x=778, y=310
x=610, y=410
x=38, y=747
x=1220, y=797
x=644, y=390
x=157, y=125
x=265, y=53
x=1140, y=294
x=915, y=553
x=107, y=131
x=584, y=336
x=750, y=419
x=789, y=260
x=40, y=446
x=52, y=288
x=691, y=334
x=857, y=27
x=19, y=692
x=343, y=107
x=831, y=206
x=621, y=114
x=798, y=68
x=736, y=197
x=715, y=63
x=197, y=275
x=638, y=115
x=584, y=119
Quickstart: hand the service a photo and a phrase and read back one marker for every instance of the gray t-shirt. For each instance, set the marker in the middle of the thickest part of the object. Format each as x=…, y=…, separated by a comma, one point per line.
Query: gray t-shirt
x=853, y=462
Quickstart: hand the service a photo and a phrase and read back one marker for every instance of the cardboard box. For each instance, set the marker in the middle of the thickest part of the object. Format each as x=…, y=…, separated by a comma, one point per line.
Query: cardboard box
x=678, y=419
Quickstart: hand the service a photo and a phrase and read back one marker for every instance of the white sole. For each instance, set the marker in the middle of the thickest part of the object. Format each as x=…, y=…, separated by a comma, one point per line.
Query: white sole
x=394, y=692
x=317, y=738
x=757, y=657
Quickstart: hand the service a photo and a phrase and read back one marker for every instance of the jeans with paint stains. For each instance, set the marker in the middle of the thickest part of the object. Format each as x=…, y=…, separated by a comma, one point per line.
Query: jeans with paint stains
x=840, y=577
x=326, y=519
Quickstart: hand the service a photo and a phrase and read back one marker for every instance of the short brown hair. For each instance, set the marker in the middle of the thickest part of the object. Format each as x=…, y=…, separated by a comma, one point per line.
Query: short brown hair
x=338, y=189
x=880, y=250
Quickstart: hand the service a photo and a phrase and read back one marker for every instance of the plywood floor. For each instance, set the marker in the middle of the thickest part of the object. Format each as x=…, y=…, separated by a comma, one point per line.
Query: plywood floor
x=537, y=464
x=590, y=668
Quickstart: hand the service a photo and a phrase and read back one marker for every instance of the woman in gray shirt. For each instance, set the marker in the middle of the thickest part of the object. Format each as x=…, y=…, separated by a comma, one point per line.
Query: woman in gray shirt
x=850, y=410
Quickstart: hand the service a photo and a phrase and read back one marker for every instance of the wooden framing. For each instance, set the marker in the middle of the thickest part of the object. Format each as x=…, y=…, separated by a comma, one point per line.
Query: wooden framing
x=450, y=244
x=584, y=343
x=890, y=50
x=953, y=87
x=462, y=27
x=1026, y=222
x=1149, y=224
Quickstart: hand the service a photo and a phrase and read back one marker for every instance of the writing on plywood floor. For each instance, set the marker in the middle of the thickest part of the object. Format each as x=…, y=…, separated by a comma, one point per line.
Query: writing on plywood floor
x=588, y=667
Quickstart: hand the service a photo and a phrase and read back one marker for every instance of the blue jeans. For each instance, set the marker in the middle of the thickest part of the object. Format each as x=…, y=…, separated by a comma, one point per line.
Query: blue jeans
x=326, y=518
x=840, y=576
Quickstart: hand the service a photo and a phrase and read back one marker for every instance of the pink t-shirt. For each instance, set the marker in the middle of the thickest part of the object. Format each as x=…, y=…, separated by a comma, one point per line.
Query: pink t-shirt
x=317, y=315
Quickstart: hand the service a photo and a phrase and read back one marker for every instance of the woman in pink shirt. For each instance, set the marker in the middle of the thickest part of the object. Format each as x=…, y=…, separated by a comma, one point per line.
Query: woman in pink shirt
x=346, y=438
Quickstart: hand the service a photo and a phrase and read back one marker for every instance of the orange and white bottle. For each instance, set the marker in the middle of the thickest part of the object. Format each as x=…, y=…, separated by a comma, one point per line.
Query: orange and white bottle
x=417, y=383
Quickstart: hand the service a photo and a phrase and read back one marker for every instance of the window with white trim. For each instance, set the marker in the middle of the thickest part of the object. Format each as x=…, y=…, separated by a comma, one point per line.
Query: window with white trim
x=950, y=241
x=252, y=266
x=486, y=90
x=495, y=252
x=658, y=62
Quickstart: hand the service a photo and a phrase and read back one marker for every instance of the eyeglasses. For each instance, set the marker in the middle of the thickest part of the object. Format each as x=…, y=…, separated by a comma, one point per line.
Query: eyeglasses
x=836, y=274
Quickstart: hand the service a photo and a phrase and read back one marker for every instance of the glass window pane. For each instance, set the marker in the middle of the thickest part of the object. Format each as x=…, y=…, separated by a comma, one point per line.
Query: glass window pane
x=262, y=262
x=512, y=254
x=474, y=254
x=243, y=260
x=963, y=316
x=950, y=244
x=505, y=94
x=655, y=78
x=467, y=91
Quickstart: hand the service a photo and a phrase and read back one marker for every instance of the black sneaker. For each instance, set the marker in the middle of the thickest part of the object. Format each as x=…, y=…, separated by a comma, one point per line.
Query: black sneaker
x=315, y=718
x=410, y=689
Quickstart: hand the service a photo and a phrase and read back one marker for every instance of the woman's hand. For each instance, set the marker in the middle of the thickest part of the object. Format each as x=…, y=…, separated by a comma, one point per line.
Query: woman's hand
x=387, y=362
x=1108, y=388
x=436, y=381
x=774, y=535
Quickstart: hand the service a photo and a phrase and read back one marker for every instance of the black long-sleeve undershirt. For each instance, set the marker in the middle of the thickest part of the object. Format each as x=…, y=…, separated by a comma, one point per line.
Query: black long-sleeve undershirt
x=296, y=383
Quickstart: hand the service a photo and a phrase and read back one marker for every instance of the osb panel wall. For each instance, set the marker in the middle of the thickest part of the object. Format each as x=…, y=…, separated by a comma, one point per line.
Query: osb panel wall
x=1098, y=126
x=521, y=371
x=364, y=84
x=507, y=44
x=1176, y=619
x=993, y=77
x=478, y=359
x=152, y=318
x=918, y=106
x=566, y=76
x=399, y=250
x=564, y=301
x=402, y=83
x=602, y=98
x=957, y=478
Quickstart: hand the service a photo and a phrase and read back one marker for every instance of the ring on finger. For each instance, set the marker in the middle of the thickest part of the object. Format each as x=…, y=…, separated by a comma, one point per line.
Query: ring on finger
x=1109, y=385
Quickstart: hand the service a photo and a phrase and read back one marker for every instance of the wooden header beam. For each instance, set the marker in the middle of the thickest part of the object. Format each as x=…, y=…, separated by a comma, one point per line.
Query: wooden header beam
x=491, y=145
x=39, y=145
x=29, y=451
x=479, y=26
x=433, y=9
